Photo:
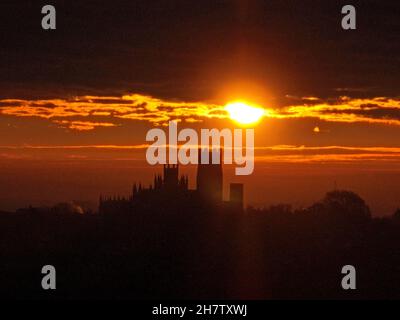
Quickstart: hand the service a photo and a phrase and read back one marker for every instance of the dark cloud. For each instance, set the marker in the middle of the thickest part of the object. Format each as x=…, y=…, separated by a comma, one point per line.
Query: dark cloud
x=188, y=49
x=376, y=113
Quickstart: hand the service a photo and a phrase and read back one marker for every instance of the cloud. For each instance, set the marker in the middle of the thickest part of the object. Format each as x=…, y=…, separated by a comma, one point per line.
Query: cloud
x=89, y=112
x=107, y=111
x=263, y=154
x=327, y=154
x=83, y=125
x=379, y=110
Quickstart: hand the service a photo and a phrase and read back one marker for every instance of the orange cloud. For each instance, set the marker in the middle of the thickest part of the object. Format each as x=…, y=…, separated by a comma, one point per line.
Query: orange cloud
x=83, y=125
x=90, y=112
x=263, y=154
x=108, y=110
x=379, y=110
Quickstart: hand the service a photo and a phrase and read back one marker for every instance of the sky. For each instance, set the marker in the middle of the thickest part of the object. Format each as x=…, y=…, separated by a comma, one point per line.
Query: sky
x=76, y=102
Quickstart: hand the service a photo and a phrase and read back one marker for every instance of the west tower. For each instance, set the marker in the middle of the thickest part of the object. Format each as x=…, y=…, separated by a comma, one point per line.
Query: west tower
x=209, y=178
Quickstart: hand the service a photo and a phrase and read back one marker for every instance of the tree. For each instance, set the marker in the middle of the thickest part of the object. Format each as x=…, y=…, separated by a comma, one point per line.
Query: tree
x=343, y=206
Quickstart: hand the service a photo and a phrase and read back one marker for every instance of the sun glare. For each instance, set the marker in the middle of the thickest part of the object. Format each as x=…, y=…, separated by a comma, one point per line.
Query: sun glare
x=244, y=113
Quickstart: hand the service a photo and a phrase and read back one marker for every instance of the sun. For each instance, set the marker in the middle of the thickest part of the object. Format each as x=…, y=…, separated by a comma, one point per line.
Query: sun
x=244, y=113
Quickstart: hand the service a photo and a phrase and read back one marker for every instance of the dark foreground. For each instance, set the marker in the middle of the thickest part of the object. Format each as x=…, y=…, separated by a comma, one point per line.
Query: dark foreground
x=174, y=254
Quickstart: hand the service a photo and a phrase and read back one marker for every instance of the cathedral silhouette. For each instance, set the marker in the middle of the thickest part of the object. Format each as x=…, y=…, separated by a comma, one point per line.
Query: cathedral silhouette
x=171, y=190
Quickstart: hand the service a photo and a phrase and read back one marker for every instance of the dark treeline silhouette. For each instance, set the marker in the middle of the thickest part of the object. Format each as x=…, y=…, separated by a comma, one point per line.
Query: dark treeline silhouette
x=173, y=251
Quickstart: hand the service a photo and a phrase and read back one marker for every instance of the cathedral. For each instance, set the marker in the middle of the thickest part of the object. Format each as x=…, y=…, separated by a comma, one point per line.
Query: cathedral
x=170, y=189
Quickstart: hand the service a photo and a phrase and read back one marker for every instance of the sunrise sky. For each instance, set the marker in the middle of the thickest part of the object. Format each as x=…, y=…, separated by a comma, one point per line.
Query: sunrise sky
x=76, y=102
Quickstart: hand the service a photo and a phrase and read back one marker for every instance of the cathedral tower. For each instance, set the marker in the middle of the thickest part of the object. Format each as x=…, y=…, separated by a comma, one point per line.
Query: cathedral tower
x=209, y=178
x=171, y=172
